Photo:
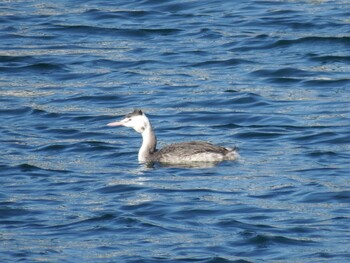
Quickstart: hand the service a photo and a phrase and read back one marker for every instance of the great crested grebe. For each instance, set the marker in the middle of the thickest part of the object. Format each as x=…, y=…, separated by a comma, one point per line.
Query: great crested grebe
x=177, y=153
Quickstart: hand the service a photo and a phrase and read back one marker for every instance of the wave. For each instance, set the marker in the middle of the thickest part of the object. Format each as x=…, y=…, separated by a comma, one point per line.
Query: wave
x=113, y=31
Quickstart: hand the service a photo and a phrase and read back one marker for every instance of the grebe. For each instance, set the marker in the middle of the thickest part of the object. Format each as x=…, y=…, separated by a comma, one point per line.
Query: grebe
x=177, y=153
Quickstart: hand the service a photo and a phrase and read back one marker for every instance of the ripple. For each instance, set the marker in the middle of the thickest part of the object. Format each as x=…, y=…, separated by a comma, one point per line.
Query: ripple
x=325, y=82
x=329, y=58
x=324, y=137
x=119, y=189
x=263, y=240
x=110, y=15
x=15, y=111
x=138, y=33
x=322, y=197
x=220, y=63
x=283, y=73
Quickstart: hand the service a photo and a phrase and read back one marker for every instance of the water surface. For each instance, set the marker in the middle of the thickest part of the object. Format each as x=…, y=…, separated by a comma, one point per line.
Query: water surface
x=271, y=77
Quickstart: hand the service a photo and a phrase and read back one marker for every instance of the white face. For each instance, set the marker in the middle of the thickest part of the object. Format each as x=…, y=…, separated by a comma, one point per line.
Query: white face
x=138, y=123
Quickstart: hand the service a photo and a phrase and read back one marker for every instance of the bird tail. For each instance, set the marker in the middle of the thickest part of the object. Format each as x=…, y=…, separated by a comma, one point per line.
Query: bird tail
x=232, y=153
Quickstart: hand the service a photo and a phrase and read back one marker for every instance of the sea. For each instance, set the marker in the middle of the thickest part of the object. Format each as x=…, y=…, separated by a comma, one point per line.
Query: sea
x=269, y=77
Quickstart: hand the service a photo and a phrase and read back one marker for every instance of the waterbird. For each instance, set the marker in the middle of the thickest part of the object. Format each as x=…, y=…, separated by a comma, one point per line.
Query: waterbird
x=176, y=153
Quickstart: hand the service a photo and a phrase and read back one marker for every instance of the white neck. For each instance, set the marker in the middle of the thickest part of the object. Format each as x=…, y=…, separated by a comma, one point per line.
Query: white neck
x=149, y=143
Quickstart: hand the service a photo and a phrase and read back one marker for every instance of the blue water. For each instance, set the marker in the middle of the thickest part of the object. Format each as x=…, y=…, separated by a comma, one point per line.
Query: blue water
x=270, y=77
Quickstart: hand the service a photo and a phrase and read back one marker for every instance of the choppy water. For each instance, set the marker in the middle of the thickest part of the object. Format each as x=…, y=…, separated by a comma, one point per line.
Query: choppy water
x=272, y=77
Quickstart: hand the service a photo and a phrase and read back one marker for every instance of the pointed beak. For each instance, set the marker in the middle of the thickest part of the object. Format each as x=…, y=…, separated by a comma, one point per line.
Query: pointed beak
x=116, y=123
